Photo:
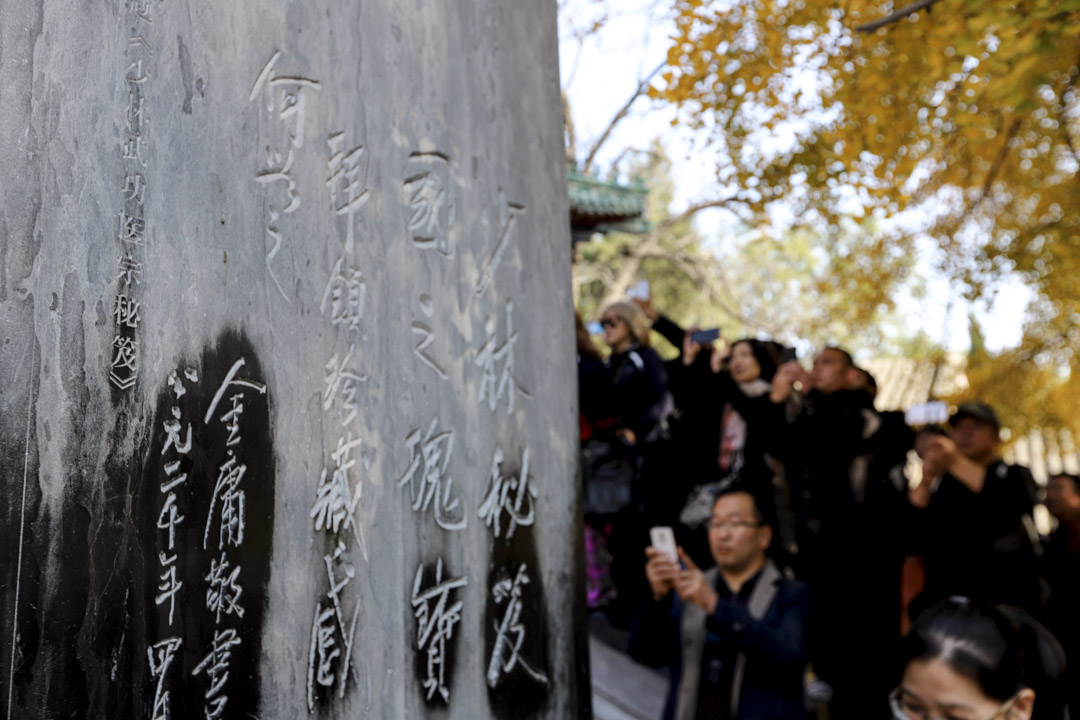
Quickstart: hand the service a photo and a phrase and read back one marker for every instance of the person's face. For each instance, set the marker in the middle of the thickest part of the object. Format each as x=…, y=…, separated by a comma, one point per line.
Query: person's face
x=1062, y=498
x=743, y=365
x=932, y=689
x=736, y=538
x=830, y=372
x=616, y=332
x=976, y=439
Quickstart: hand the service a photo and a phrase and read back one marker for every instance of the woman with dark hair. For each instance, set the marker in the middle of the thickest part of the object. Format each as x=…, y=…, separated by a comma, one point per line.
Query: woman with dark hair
x=966, y=660
x=725, y=394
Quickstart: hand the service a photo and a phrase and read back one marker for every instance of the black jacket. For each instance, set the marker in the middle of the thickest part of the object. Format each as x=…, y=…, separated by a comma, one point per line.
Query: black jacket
x=775, y=648
x=639, y=387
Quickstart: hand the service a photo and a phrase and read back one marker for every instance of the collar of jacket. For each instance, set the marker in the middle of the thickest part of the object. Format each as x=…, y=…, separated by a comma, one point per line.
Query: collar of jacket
x=755, y=388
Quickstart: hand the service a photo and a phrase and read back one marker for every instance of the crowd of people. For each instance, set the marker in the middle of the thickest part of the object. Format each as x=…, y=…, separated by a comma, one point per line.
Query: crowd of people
x=813, y=573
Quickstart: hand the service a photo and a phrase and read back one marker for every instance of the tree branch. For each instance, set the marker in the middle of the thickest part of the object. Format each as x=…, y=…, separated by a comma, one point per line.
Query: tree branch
x=642, y=86
x=1063, y=115
x=896, y=16
x=571, y=134
x=689, y=213
x=690, y=268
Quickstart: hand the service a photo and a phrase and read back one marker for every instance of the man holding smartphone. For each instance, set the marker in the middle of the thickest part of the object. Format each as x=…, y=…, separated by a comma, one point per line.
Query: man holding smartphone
x=735, y=635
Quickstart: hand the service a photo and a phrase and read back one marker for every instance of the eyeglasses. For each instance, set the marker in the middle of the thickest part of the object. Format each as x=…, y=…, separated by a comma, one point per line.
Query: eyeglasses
x=716, y=524
x=910, y=709
x=609, y=322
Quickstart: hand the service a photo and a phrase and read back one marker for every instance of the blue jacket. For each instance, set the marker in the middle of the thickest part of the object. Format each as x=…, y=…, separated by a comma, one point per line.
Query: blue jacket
x=774, y=647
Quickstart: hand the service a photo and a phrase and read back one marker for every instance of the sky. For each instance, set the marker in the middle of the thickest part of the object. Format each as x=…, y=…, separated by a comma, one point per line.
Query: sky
x=602, y=73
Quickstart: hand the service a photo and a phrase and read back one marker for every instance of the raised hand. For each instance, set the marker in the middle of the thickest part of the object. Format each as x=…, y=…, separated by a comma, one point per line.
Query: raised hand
x=690, y=349
x=647, y=307
x=692, y=586
x=660, y=572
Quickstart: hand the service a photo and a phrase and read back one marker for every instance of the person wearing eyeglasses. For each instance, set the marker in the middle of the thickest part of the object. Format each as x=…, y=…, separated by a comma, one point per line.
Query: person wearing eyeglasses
x=966, y=660
x=734, y=636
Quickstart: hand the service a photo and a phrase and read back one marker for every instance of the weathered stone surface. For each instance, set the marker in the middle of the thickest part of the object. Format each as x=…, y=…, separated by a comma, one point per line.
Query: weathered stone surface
x=285, y=352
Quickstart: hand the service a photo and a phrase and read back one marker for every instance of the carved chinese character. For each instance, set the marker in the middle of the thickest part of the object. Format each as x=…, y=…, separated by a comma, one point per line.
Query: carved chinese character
x=495, y=384
x=340, y=378
x=216, y=665
x=131, y=230
x=231, y=380
x=172, y=435
x=227, y=491
x=223, y=591
x=130, y=270
x=508, y=215
x=435, y=621
x=160, y=657
x=231, y=419
x=431, y=206
x=323, y=652
x=134, y=188
x=510, y=632
x=141, y=8
x=126, y=312
x=345, y=291
x=291, y=100
x=125, y=362
x=348, y=191
x=427, y=477
x=336, y=500
x=134, y=148
x=514, y=496
x=169, y=585
x=169, y=518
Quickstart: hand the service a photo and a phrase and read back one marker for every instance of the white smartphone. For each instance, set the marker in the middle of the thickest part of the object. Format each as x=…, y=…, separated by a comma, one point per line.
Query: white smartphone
x=929, y=413
x=640, y=290
x=663, y=539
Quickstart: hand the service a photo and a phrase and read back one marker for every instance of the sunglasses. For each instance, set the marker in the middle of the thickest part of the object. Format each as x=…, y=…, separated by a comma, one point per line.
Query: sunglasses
x=609, y=322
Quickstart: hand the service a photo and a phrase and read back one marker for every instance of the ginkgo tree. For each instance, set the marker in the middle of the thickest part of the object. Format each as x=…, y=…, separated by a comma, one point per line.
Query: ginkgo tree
x=962, y=114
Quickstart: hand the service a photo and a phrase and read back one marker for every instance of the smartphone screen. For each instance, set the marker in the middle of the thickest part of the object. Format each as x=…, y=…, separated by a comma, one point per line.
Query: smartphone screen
x=929, y=413
x=663, y=539
x=788, y=355
x=704, y=336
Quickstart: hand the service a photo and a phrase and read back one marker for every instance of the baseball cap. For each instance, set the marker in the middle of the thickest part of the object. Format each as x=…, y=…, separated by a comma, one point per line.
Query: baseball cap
x=977, y=410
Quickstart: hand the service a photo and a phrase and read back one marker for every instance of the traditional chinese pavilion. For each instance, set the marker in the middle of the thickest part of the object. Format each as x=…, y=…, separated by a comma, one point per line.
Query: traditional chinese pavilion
x=602, y=206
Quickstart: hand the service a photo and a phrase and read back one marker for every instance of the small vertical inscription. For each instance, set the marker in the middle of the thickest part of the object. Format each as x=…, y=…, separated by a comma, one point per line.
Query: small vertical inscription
x=176, y=447
x=131, y=226
x=205, y=509
x=335, y=509
x=227, y=512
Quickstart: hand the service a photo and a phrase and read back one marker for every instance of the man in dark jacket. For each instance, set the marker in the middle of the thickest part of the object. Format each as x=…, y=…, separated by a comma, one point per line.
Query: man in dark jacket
x=978, y=536
x=837, y=454
x=735, y=636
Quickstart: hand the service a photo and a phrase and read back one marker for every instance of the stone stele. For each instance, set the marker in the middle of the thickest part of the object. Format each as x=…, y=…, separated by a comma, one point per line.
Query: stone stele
x=288, y=418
